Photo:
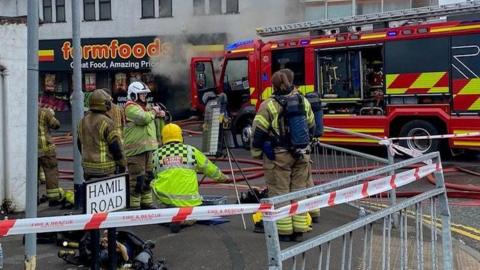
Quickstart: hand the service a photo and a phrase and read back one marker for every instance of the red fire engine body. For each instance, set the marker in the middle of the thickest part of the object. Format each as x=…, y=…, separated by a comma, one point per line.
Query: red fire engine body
x=407, y=81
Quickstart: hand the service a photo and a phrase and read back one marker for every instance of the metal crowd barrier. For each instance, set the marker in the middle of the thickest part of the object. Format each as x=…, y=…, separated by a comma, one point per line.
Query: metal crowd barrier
x=382, y=246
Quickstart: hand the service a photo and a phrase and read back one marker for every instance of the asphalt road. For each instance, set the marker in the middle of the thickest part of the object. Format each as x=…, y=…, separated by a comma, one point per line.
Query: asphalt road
x=229, y=245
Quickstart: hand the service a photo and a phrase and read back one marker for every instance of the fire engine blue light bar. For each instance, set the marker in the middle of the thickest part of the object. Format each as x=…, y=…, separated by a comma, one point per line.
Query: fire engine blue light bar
x=239, y=43
x=392, y=33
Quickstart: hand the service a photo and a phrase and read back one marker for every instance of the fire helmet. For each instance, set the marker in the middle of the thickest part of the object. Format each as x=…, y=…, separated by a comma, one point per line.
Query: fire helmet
x=136, y=88
x=100, y=101
x=171, y=133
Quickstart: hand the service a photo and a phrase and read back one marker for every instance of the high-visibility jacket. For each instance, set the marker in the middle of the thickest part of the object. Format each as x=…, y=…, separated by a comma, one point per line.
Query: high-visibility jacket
x=140, y=134
x=267, y=123
x=46, y=121
x=100, y=144
x=175, y=169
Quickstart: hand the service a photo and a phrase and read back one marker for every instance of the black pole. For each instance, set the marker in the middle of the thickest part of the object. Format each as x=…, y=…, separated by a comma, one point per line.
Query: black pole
x=112, y=248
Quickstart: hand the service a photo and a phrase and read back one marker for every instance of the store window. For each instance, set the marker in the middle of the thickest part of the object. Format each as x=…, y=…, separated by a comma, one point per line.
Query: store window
x=368, y=6
x=339, y=9
x=54, y=90
x=105, y=9
x=89, y=10
x=148, y=9
x=389, y=5
x=215, y=7
x=165, y=8
x=198, y=7
x=47, y=11
x=315, y=11
x=232, y=6
x=60, y=10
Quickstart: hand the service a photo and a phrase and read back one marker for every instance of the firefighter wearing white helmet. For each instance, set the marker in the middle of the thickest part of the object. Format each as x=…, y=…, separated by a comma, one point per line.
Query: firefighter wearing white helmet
x=140, y=140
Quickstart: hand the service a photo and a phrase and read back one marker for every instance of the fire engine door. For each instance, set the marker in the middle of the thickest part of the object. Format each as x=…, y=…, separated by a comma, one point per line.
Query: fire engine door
x=340, y=74
x=466, y=73
x=204, y=79
x=235, y=83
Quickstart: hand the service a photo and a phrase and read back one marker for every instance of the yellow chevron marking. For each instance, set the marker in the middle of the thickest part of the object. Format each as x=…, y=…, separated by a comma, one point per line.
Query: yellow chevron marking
x=472, y=87
x=372, y=36
x=475, y=106
x=427, y=79
x=439, y=90
x=322, y=41
x=391, y=78
x=454, y=28
x=242, y=50
x=396, y=91
x=463, y=131
x=324, y=139
x=465, y=143
x=362, y=130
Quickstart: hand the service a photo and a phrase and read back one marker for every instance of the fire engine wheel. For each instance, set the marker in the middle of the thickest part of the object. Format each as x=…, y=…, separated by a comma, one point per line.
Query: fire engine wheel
x=420, y=128
x=246, y=133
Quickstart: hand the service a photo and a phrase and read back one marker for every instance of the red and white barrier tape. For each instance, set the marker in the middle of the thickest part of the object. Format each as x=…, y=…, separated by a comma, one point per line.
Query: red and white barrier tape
x=368, y=188
x=146, y=217
x=432, y=137
x=123, y=219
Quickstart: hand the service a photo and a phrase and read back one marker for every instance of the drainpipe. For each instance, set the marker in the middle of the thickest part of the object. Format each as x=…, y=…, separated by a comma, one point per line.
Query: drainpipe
x=3, y=140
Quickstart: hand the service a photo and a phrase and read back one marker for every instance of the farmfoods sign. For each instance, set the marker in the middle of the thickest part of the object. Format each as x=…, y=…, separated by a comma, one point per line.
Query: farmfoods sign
x=102, y=53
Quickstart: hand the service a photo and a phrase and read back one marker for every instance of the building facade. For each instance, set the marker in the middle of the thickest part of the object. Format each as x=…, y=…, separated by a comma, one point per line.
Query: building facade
x=13, y=109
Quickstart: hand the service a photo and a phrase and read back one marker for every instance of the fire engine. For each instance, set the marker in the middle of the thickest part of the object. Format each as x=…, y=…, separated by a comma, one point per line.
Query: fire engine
x=410, y=80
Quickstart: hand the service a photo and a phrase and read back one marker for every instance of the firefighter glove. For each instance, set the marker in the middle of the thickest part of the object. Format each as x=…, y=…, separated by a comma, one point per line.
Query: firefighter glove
x=222, y=178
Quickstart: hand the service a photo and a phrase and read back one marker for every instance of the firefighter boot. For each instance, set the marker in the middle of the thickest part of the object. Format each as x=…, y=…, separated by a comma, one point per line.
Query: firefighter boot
x=175, y=227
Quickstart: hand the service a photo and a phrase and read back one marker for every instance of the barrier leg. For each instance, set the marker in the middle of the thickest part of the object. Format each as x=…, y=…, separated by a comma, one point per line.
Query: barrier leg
x=95, y=247
x=273, y=245
x=112, y=248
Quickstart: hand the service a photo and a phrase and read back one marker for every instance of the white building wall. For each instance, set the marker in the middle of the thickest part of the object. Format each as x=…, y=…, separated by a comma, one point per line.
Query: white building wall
x=13, y=57
x=127, y=22
x=13, y=8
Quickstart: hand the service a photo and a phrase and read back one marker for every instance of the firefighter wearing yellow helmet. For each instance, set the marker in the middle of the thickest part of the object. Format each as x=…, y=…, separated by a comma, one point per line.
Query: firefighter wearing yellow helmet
x=99, y=141
x=175, y=167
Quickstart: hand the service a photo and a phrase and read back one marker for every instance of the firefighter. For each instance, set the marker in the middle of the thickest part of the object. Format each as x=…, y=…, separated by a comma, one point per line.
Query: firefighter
x=140, y=135
x=47, y=157
x=117, y=114
x=315, y=213
x=98, y=141
x=175, y=168
x=286, y=163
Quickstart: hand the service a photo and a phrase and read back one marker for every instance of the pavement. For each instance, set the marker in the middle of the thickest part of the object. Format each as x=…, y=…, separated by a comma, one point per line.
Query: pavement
x=230, y=246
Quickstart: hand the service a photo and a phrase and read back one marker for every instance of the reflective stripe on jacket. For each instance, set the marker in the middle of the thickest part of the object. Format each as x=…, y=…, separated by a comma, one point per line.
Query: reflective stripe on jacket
x=175, y=169
x=96, y=132
x=139, y=133
x=46, y=121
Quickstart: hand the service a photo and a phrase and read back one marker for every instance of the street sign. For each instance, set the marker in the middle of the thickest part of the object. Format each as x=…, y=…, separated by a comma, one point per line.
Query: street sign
x=106, y=194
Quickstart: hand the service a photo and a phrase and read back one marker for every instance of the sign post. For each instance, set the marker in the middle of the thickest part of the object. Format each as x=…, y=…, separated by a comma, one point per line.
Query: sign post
x=105, y=195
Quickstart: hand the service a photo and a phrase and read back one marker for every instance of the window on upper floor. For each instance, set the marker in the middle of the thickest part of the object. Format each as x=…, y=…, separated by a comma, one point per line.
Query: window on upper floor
x=47, y=11
x=215, y=7
x=165, y=8
x=232, y=6
x=198, y=7
x=60, y=10
x=89, y=10
x=148, y=9
x=105, y=9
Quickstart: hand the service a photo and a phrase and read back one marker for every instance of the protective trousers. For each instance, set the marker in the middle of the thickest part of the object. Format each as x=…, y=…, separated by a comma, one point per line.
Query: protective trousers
x=315, y=213
x=140, y=173
x=286, y=174
x=50, y=167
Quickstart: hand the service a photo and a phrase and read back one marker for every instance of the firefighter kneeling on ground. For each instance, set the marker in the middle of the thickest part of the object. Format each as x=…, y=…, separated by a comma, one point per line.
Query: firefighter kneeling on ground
x=175, y=168
x=281, y=135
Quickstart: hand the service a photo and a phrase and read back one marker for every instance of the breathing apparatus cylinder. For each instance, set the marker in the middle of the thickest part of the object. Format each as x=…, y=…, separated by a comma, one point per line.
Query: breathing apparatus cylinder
x=297, y=122
x=316, y=104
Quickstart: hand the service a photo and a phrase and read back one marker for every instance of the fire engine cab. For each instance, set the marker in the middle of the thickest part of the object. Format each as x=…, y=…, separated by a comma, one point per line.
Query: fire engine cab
x=411, y=80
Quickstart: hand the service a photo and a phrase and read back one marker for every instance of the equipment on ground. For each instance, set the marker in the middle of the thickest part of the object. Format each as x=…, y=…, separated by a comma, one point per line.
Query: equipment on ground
x=139, y=251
